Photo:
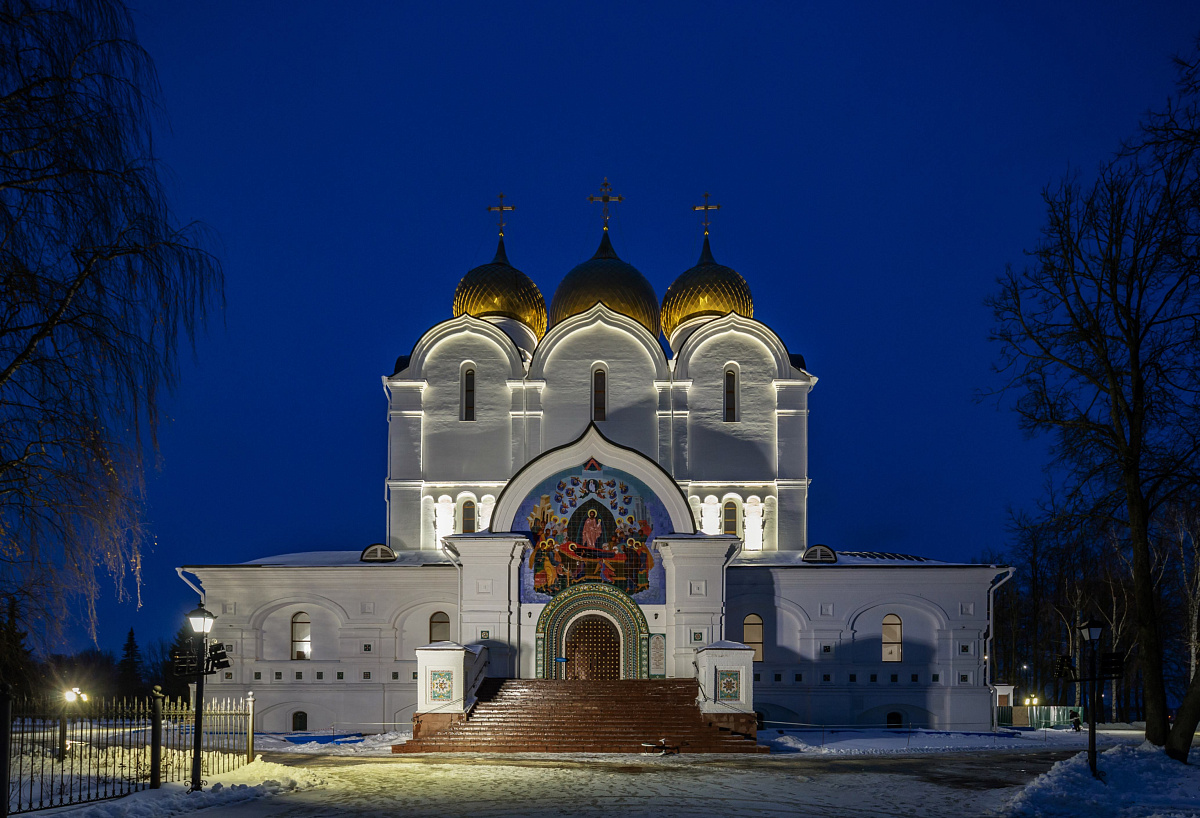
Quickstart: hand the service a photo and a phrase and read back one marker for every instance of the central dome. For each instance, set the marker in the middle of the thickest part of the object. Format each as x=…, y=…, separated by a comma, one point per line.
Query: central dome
x=605, y=279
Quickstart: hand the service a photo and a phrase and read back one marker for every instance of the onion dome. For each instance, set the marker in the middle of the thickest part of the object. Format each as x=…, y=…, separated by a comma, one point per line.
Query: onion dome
x=706, y=289
x=605, y=279
x=499, y=289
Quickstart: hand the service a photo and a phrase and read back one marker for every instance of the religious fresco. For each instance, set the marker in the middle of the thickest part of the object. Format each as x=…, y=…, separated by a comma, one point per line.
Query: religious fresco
x=593, y=524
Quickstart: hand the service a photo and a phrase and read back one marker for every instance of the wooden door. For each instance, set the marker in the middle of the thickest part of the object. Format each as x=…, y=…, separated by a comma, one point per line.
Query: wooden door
x=593, y=649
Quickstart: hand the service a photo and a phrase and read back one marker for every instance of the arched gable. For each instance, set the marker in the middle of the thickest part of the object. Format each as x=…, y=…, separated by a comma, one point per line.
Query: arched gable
x=733, y=322
x=463, y=324
x=598, y=314
x=592, y=444
x=882, y=601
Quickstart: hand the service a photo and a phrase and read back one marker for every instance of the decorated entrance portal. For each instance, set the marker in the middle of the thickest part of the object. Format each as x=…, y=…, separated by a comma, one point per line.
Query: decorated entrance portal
x=567, y=633
x=593, y=649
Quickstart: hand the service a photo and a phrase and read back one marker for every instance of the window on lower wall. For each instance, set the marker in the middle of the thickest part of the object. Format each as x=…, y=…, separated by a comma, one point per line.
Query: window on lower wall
x=752, y=635
x=892, y=638
x=439, y=627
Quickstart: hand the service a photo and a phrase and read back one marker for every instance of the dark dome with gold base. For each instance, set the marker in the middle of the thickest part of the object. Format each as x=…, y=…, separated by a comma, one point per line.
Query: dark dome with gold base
x=605, y=279
x=706, y=289
x=499, y=289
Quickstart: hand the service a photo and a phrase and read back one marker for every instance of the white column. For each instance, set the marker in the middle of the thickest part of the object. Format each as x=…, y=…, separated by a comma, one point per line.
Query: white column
x=710, y=515
x=443, y=517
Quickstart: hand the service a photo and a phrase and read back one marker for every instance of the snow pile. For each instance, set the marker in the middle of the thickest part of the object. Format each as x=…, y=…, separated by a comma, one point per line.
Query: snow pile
x=377, y=744
x=254, y=780
x=866, y=741
x=1140, y=782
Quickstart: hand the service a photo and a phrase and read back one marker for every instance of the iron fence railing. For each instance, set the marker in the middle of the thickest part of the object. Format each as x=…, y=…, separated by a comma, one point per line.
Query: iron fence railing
x=61, y=753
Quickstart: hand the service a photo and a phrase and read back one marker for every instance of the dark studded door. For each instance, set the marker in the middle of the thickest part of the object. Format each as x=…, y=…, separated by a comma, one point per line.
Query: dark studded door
x=593, y=649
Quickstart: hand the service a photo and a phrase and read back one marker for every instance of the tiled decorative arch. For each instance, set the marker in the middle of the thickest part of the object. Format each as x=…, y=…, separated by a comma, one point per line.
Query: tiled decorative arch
x=597, y=597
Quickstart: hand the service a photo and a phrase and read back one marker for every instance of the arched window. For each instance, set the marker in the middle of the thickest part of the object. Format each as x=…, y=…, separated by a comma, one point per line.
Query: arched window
x=752, y=635
x=439, y=628
x=468, y=517
x=468, y=394
x=729, y=519
x=299, y=720
x=599, y=395
x=893, y=638
x=895, y=720
x=730, y=396
x=301, y=636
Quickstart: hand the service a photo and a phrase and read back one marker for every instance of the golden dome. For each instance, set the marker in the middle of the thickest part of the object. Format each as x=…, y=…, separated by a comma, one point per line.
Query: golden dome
x=500, y=289
x=706, y=289
x=605, y=279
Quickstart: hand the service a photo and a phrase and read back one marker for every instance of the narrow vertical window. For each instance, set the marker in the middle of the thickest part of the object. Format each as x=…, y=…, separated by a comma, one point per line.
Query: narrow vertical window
x=468, y=517
x=729, y=519
x=730, y=396
x=752, y=635
x=893, y=638
x=301, y=636
x=599, y=399
x=468, y=399
x=439, y=627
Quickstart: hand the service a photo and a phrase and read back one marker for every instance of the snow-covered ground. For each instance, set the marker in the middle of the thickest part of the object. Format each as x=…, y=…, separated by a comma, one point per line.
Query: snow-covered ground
x=847, y=774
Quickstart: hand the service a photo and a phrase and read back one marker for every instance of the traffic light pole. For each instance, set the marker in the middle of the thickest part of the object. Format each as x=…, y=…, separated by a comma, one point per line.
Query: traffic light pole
x=198, y=737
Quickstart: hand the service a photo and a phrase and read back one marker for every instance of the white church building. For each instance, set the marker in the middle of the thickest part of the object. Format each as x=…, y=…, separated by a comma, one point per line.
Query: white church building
x=570, y=497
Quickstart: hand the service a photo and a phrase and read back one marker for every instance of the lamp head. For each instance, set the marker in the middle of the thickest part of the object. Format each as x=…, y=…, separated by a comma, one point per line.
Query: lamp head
x=201, y=620
x=1091, y=630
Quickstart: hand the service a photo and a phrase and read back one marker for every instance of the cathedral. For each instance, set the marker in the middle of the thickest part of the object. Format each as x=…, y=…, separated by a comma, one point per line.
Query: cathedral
x=611, y=488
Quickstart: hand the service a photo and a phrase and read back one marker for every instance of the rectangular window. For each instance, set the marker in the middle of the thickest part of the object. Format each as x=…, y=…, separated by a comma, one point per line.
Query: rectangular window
x=414, y=675
x=366, y=675
x=826, y=677
x=799, y=677
x=914, y=677
x=874, y=677
x=964, y=648
x=757, y=677
x=826, y=648
x=340, y=675
x=320, y=675
x=395, y=675
x=279, y=675
x=895, y=677
x=257, y=675
x=469, y=395
x=779, y=677
x=366, y=647
x=854, y=677
x=599, y=395
x=963, y=679
x=299, y=675
x=937, y=677
x=229, y=674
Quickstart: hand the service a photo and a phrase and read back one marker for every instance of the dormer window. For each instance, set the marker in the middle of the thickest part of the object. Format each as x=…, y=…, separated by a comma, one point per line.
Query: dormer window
x=377, y=553
x=599, y=395
x=819, y=553
x=730, y=396
x=468, y=394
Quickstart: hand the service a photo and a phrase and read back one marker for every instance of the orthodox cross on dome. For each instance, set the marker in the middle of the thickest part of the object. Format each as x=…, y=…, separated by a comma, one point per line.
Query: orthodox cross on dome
x=706, y=207
x=501, y=208
x=606, y=196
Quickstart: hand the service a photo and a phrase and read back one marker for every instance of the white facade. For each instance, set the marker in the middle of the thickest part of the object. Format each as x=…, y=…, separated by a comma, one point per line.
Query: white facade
x=697, y=479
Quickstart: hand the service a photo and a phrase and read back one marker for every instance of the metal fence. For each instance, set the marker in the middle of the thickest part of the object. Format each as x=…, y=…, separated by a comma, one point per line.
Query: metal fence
x=61, y=753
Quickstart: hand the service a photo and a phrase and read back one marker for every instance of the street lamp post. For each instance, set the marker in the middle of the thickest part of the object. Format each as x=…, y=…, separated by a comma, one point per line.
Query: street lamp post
x=201, y=621
x=1091, y=632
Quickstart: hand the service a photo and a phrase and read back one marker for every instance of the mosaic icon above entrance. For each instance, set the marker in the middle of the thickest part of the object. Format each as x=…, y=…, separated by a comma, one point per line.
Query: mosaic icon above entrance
x=593, y=524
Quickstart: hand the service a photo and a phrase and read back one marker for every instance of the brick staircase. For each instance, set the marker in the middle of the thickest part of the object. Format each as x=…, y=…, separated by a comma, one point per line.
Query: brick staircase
x=544, y=716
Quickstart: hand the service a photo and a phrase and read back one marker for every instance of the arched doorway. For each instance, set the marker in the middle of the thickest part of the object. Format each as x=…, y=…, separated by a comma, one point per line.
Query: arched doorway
x=592, y=599
x=593, y=649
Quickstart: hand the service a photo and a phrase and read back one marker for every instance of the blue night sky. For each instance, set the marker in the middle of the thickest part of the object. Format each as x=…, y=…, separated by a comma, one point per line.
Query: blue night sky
x=878, y=166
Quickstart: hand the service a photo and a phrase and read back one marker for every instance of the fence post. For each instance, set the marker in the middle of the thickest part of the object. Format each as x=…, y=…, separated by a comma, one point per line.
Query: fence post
x=156, y=718
x=249, y=726
x=5, y=745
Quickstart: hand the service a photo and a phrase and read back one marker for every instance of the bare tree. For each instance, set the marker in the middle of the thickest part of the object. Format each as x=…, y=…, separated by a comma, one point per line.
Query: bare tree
x=97, y=284
x=1100, y=345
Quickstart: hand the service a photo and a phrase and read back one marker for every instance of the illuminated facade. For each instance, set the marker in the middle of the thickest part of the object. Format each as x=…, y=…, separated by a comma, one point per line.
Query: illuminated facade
x=586, y=502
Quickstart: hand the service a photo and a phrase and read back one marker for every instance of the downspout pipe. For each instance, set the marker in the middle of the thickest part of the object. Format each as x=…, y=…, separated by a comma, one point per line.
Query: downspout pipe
x=997, y=581
x=453, y=555
x=192, y=585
